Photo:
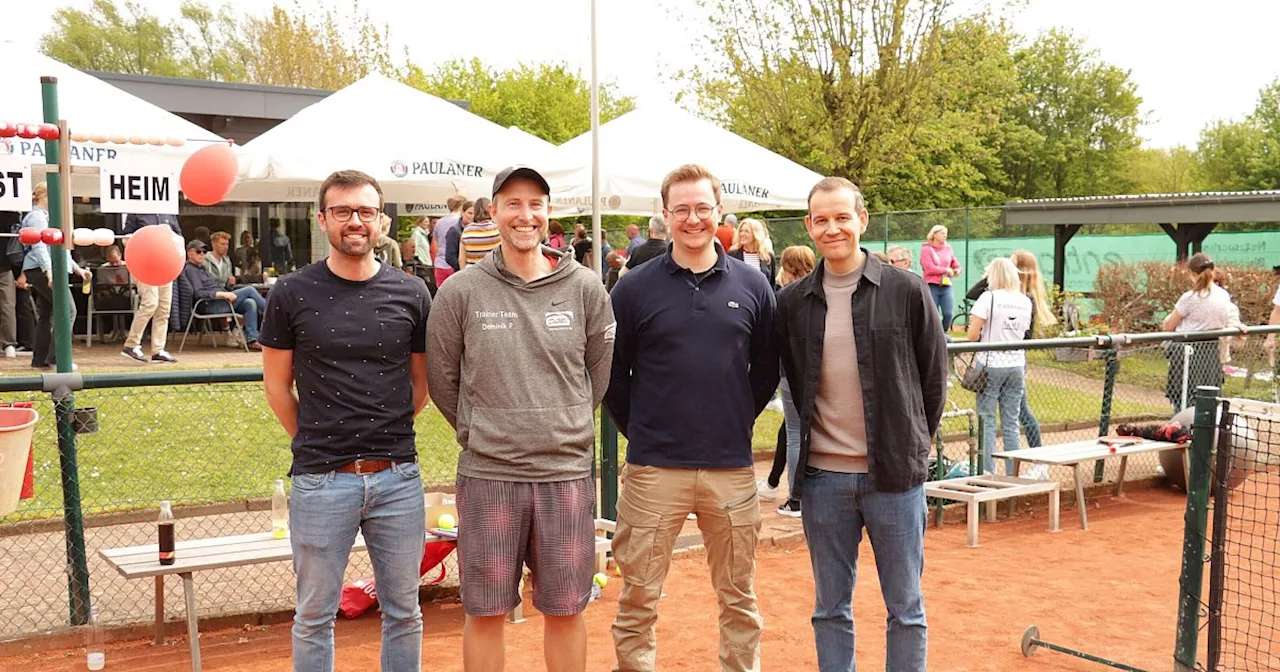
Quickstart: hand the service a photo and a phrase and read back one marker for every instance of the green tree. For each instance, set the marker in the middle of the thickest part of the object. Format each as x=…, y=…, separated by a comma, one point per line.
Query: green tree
x=1086, y=114
x=322, y=49
x=953, y=157
x=104, y=38
x=548, y=99
x=841, y=86
x=1165, y=171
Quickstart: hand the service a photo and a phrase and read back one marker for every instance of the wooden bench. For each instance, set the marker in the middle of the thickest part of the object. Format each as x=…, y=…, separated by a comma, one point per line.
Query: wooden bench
x=1073, y=454
x=136, y=562
x=990, y=488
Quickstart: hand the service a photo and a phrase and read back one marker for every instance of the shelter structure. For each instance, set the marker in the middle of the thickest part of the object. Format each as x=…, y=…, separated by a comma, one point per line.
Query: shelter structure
x=1186, y=218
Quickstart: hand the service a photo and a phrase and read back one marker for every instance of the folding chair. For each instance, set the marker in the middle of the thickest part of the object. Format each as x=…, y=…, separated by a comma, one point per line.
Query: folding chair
x=207, y=319
x=113, y=289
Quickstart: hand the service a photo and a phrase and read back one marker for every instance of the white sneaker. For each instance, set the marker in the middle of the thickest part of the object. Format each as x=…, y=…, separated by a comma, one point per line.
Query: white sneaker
x=10, y=352
x=765, y=492
x=774, y=405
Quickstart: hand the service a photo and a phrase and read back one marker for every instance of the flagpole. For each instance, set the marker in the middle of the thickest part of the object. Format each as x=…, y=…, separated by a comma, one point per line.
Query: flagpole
x=596, y=261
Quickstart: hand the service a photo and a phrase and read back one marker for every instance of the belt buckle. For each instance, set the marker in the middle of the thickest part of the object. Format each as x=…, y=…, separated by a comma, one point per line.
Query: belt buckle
x=359, y=464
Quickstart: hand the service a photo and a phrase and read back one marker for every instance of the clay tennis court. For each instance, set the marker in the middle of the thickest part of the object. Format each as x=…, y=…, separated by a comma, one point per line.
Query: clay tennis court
x=1111, y=591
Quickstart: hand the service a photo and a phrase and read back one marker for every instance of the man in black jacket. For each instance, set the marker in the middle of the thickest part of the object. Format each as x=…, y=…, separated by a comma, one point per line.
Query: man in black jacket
x=864, y=353
x=204, y=287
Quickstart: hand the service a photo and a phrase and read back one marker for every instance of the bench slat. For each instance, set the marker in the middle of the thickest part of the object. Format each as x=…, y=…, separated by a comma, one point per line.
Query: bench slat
x=1083, y=451
x=212, y=553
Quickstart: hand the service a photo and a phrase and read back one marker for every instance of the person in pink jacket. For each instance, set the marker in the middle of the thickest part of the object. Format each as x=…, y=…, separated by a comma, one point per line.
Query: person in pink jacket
x=939, y=264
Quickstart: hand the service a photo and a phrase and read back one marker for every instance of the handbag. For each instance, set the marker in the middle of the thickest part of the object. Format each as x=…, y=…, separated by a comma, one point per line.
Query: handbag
x=974, y=377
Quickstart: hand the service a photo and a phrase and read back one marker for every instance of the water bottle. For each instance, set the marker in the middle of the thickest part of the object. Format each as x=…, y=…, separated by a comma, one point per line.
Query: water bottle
x=165, y=525
x=279, y=511
x=595, y=592
x=95, y=656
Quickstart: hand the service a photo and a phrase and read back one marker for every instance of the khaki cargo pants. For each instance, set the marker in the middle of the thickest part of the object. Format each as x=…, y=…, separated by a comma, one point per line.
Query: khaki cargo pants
x=652, y=509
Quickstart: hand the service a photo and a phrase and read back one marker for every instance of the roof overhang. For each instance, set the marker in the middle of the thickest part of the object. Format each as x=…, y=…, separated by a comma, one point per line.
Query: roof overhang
x=1206, y=208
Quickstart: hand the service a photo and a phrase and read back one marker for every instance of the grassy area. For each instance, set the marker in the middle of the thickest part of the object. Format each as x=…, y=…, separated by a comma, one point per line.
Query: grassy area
x=1147, y=367
x=214, y=443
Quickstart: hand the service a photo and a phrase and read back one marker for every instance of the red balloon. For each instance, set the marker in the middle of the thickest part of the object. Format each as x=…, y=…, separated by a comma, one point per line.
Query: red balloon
x=51, y=236
x=8, y=129
x=209, y=174
x=28, y=236
x=28, y=131
x=153, y=256
x=48, y=131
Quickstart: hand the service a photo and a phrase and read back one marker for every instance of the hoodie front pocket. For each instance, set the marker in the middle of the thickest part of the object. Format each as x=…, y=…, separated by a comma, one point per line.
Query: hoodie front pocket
x=533, y=438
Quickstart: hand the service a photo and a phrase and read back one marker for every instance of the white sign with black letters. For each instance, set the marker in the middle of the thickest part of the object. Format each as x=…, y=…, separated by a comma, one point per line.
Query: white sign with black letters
x=15, y=183
x=140, y=187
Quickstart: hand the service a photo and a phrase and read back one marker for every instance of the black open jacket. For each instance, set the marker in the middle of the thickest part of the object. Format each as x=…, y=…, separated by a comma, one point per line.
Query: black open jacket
x=902, y=364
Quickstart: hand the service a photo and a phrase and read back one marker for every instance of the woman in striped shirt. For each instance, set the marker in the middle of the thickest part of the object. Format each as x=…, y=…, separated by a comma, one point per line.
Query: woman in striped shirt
x=480, y=237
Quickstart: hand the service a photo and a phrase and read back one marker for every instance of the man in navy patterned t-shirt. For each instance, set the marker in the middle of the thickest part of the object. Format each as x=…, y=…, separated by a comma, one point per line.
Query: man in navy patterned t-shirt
x=352, y=334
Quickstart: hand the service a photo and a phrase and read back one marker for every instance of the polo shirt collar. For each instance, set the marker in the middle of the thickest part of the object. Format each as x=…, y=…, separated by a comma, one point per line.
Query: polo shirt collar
x=721, y=265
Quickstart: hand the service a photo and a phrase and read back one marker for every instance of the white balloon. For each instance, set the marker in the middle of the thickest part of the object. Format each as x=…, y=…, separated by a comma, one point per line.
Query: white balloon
x=104, y=237
x=83, y=237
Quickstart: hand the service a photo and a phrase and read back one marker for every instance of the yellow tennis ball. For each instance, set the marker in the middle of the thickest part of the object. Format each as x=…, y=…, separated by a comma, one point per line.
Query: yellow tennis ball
x=600, y=580
x=446, y=521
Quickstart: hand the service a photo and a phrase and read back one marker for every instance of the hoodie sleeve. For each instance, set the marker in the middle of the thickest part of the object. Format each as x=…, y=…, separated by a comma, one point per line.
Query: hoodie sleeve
x=618, y=399
x=600, y=334
x=444, y=354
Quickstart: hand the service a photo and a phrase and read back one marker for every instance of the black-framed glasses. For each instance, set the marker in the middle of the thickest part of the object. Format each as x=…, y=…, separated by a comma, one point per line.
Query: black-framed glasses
x=681, y=213
x=342, y=213
x=198, y=251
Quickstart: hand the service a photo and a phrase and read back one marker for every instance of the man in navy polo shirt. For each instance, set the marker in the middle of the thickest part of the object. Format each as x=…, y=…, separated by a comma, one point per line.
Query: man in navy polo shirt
x=694, y=363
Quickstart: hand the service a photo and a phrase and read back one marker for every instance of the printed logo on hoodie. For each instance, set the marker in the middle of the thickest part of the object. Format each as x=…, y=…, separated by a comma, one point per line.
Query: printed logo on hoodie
x=559, y=320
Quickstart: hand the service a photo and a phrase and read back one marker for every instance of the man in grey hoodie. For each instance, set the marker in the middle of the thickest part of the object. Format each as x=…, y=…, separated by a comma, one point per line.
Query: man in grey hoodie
x=519, y=354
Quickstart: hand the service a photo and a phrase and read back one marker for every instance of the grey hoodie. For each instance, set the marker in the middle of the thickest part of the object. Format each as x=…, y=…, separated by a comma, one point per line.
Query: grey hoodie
x=518, y=368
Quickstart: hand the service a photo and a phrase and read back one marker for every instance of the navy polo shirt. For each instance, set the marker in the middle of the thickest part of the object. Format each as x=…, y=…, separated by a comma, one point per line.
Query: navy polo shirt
x=694, y=362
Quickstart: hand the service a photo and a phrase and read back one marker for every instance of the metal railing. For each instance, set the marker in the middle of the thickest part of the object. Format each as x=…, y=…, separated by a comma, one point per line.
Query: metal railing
x=207, y=441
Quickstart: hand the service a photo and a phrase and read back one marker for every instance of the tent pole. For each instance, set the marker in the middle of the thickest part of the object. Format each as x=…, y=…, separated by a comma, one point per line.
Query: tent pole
x=596, y=262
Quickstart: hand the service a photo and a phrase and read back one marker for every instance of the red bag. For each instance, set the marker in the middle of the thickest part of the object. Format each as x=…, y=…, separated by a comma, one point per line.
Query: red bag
x=360, y=596
x=28, y=477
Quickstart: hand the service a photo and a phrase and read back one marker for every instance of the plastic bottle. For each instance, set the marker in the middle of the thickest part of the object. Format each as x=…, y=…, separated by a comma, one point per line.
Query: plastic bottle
x=165, y=525
x=595, y=592
x=95, y=656
x=88, y=284
x=279, y=511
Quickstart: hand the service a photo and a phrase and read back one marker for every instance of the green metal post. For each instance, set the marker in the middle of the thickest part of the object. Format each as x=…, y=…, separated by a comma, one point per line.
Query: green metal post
x=965, y=273
x=608, y=467
x=64, y=401
x=1108, y=395
x=1196, y=528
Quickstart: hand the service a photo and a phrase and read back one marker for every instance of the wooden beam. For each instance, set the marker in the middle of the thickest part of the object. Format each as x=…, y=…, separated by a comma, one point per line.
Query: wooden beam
x=1062, y=234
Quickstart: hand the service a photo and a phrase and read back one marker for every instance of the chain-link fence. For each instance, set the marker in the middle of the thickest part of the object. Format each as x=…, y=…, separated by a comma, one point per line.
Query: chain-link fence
x=1233, y=509
x=215, y=449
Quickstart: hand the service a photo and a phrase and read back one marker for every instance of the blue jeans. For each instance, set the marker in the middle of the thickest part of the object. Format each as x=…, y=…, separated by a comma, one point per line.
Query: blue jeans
x=1030, y=426
x=942, y=298
x=1006, y=387
x=792, y=418
x=837, y=508
x=248, y=303
x=325, y=512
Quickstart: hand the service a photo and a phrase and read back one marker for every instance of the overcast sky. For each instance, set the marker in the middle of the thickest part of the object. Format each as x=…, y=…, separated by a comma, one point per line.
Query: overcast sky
x=1193, y=62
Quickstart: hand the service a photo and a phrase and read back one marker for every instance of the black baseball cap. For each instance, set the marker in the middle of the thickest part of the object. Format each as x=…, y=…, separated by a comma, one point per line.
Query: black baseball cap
x=510, y=172
x=197, y=245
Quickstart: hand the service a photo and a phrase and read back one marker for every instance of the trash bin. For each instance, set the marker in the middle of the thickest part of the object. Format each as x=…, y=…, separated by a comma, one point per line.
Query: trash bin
x=16, y=427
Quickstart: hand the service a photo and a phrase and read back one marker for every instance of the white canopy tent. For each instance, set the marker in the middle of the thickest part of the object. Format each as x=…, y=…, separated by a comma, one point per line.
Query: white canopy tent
x=90, y=106
x=640, y=147
x=420, y=148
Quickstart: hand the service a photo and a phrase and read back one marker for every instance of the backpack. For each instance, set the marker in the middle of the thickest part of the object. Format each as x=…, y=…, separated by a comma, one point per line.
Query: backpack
x=15, y=252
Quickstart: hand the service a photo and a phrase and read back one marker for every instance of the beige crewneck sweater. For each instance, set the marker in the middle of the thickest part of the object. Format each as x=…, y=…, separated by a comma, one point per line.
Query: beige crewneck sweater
x=838, y=436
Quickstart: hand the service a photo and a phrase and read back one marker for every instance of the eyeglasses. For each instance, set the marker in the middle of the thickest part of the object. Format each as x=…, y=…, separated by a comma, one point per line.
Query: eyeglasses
x=702, y=212
x=342, y=213
x=201, y=252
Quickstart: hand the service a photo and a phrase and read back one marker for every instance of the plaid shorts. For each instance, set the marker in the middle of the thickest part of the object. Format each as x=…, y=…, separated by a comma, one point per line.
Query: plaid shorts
x=504, y=525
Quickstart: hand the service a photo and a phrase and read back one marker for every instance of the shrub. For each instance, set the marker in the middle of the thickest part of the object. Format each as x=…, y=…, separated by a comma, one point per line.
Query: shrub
x=1136, y=297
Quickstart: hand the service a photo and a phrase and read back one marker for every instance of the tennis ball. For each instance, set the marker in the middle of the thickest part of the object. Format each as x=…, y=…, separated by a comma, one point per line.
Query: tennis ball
x=600, y=580
x=446, y=521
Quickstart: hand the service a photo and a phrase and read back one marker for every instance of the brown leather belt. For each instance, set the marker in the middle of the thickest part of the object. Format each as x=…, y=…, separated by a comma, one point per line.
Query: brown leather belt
x=362, y=467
